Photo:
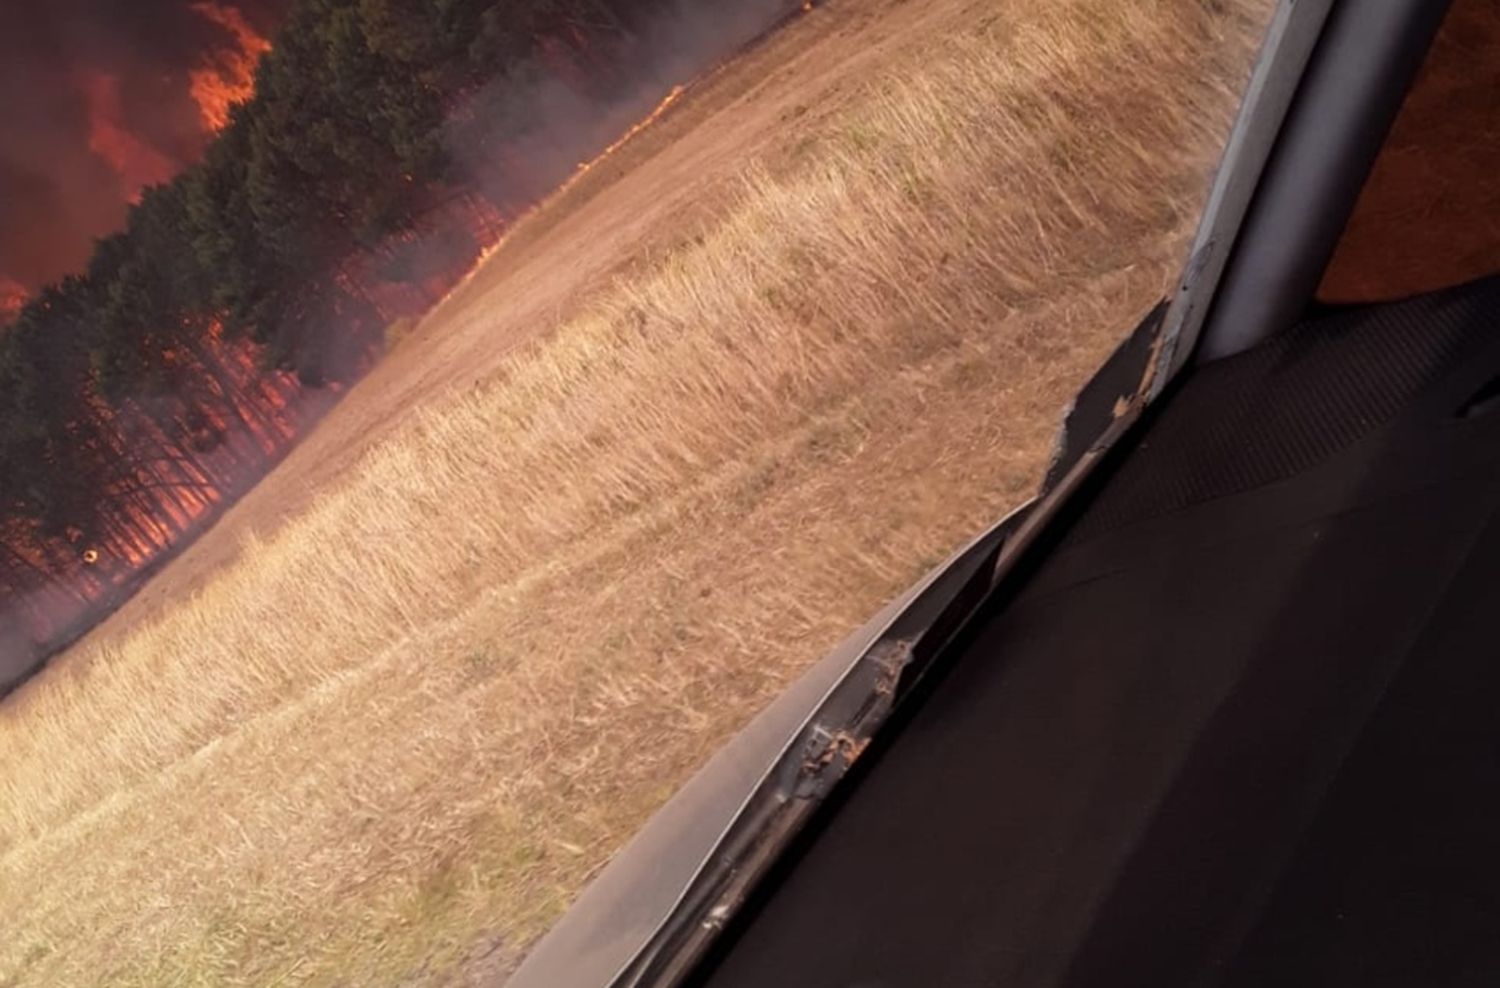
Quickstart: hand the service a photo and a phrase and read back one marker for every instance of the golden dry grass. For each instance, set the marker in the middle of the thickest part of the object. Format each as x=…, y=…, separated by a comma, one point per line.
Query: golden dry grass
x=391, y=741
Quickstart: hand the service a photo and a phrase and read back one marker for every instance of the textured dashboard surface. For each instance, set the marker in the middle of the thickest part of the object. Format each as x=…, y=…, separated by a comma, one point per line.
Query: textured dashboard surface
x=1236, y=727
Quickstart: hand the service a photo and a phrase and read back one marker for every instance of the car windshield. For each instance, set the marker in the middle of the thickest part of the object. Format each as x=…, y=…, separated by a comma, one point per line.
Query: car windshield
x=429, y=429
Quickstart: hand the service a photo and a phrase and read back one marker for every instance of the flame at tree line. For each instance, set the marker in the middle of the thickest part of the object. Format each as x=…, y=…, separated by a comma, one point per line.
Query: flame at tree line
x=359, y=184
x=102, y=97
x=225, y=77
x=229, y=76
x=12, y=298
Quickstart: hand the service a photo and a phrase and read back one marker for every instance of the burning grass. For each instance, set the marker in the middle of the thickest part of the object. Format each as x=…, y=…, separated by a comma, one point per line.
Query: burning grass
x=417, y=718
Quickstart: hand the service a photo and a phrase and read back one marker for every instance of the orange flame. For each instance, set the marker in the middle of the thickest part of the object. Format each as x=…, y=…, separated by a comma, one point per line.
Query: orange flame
x=648, y=120
x=12, y=299
x=137, y=162
x=583, y=168
x=228, y=77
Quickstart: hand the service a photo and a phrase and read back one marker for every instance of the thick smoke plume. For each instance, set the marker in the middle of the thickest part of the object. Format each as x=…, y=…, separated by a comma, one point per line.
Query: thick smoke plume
x=529, y=130
x=100, y=97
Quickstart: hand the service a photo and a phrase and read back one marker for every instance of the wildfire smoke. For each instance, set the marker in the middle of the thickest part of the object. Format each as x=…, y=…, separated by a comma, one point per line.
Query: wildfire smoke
x=164, y=462
x=102, y=97
x=135, y=161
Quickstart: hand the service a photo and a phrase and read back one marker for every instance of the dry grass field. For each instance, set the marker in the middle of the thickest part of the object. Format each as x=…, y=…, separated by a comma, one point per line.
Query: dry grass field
x=581, y=526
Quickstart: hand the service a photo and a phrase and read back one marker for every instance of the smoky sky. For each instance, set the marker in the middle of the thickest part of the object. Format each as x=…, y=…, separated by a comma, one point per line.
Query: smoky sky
x=95, y=100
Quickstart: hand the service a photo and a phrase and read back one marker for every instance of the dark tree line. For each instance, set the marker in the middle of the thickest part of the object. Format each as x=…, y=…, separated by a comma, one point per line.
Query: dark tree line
x=141, y=395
